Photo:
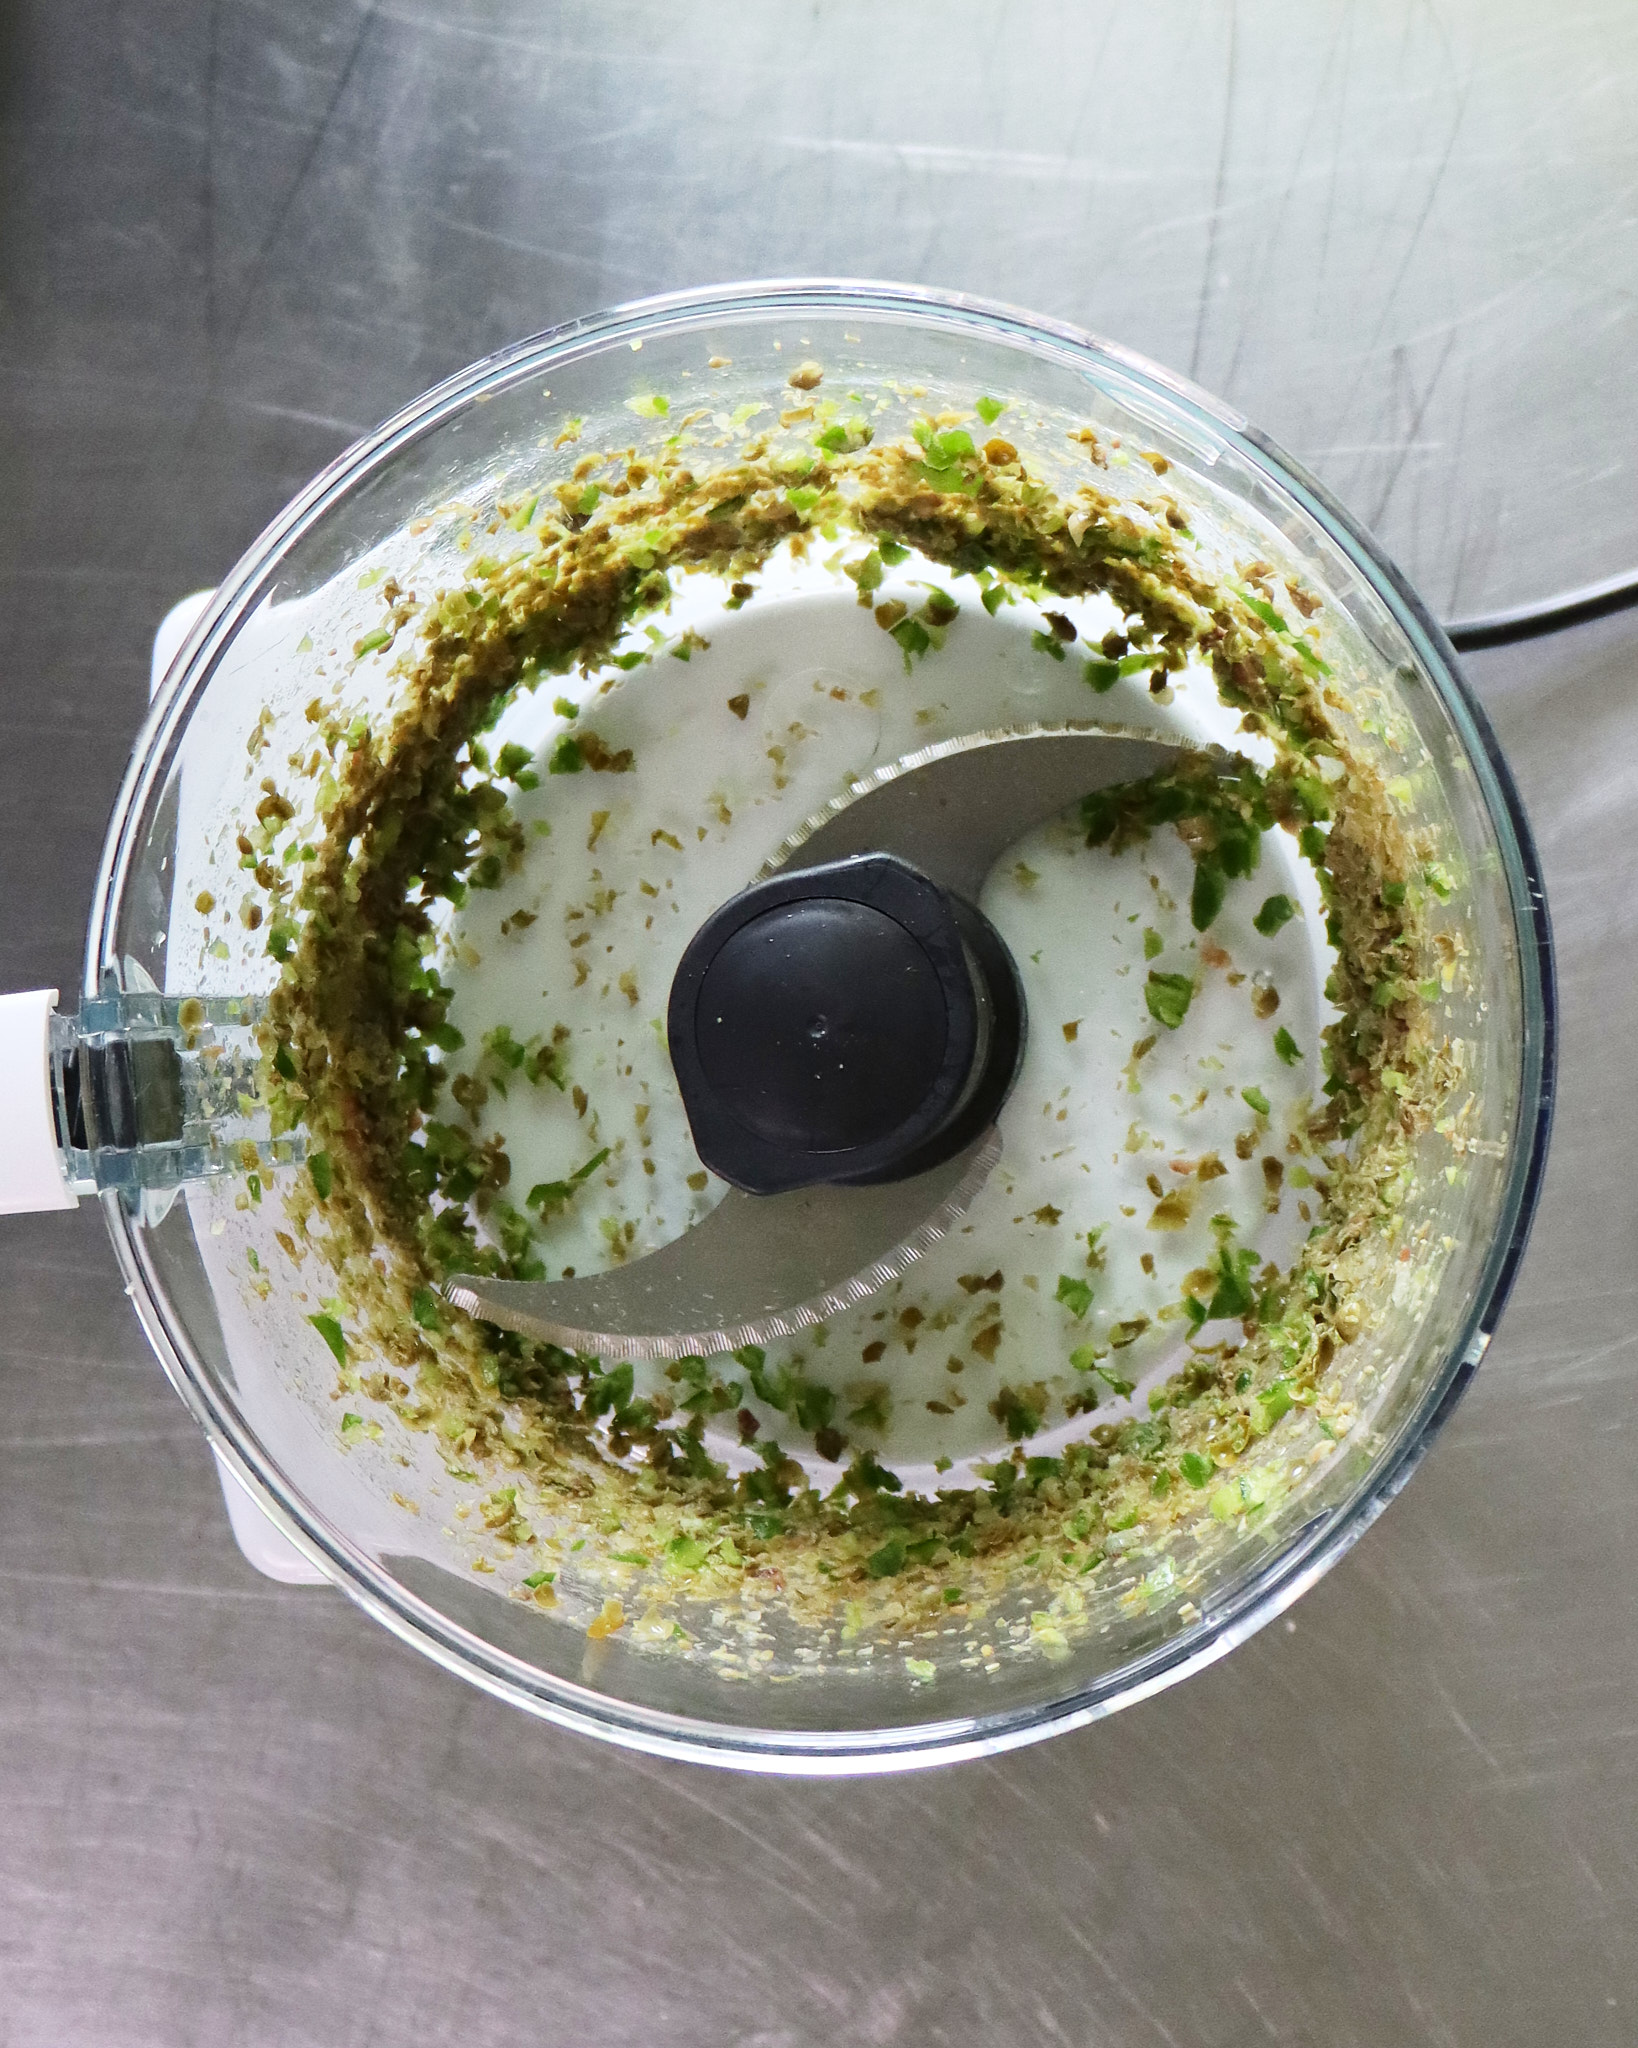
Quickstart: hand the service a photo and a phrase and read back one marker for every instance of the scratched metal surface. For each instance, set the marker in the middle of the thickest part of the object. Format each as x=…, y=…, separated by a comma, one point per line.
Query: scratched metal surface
x=1402, y=239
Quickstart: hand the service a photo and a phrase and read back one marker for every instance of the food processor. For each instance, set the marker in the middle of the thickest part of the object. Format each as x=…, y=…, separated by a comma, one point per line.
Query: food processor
x=896, y=1093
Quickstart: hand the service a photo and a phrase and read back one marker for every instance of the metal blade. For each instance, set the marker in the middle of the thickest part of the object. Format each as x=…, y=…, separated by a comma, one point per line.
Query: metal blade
x=953, y=809
x=764, y=1266
x=758, y=1267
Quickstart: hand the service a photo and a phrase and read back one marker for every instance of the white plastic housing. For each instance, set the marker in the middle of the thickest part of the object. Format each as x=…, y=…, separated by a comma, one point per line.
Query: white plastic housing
x=31, y=1165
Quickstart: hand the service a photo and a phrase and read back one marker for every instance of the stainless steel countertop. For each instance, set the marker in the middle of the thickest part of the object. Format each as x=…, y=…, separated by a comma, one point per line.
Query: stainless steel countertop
x=230, y=238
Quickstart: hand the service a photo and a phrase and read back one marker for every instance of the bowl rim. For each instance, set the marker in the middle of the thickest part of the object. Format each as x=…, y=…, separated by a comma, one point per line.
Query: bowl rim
x=1306, y=1555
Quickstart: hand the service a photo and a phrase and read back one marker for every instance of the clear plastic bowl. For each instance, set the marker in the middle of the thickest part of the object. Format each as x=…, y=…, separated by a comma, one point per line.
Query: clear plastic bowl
x=490, y=431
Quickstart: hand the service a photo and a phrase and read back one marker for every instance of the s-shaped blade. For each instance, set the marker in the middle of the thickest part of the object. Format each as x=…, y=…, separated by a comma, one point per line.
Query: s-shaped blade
x=764, y=1266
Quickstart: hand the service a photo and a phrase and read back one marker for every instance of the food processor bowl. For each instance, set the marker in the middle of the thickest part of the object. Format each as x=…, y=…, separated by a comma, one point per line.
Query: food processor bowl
x=236, y=1311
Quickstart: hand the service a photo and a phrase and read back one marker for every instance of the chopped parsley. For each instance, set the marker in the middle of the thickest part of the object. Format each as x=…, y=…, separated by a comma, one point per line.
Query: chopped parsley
x=1168, y=997
x=1075, y=1295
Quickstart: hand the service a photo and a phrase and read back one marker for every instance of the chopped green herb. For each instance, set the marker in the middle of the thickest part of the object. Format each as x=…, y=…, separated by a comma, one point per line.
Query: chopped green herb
x=989, y=410
x=1276, y=911
x=330, y=1330
x=1206, y=898
x=552, y=1194
x=381, y=637
x=567, y=759
x=913, y=637
x=1256, y=1098
x=1234, y=1297
x=1153, y=944
x=1075, y=1295
x=1269, y=1406
x=1286, y=1047
x=1265, y=612
x=1167, y=997
x=650, y=407
x=323, y=1174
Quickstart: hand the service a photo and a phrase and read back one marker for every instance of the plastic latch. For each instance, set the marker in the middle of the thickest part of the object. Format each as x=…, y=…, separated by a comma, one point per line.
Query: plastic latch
x=31, y=1160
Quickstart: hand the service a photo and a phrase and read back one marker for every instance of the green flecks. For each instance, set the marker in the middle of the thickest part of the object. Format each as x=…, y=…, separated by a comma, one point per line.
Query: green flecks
x=1197, y=1470
x=802, y=498
x=840, y=439
x=1020, y=1410
x=330, y=1330
x=1234, y=1296
x=1256, y=1099
x=1075, y=1295
x=685, y=1553
x=1153, y=944
x=424, y=1308
x=1103, y=674
x=866, y=573
x=566, y=757
x=1261, y=609
x=889, y=1560
x=515, y=763
x=989, y=410
x=913, y=637
x=1167, y=997
x=651, y=406
x=565, y=707
x=1206, y=897
x=1048, y=644
x=1286, y=1047
x=1276, y=911
x=1269, y=1406
x=548, y=1195
x=321, y=1171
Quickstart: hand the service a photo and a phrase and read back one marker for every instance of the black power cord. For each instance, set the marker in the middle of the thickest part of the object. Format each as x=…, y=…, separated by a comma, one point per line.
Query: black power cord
x=1551, y=615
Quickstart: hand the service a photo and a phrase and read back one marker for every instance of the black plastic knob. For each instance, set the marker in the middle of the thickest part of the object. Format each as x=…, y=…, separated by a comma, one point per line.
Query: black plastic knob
x=846, y=1023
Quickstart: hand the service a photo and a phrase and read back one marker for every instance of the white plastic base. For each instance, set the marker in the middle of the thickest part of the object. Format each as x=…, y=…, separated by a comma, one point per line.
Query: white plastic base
x=31, y=1166
x=261, y=1544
